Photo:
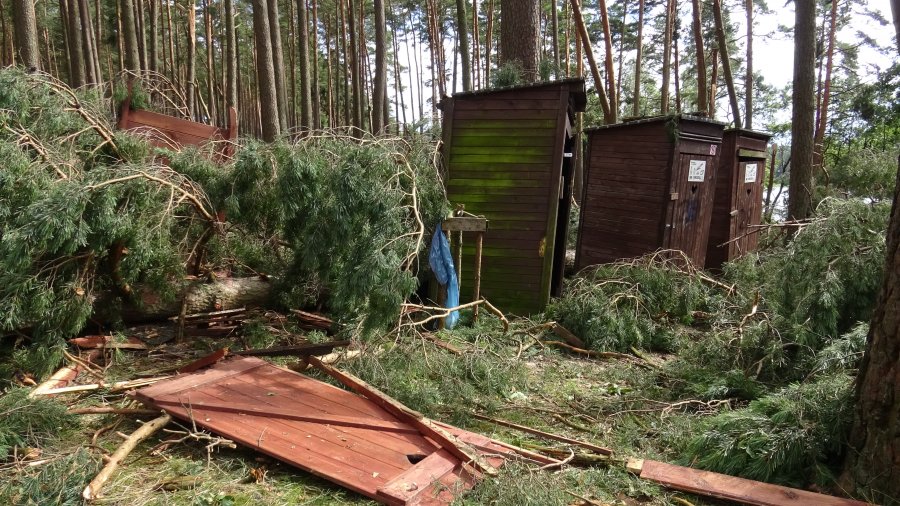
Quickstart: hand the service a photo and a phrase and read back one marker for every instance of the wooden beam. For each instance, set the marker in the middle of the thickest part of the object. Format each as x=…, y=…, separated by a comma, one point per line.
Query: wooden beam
x=301, y=349
x=426, y=427
x=464, y=224
x=730, y=488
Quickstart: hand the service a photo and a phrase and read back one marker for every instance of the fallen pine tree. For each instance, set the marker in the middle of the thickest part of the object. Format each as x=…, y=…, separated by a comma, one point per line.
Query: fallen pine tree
x=90, y=221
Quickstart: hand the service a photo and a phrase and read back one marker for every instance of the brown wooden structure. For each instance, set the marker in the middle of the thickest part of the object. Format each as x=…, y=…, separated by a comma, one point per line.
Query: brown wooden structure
x=363, y=443
x=169, y=132
x=738, y=202
x=507, y=155
x=649, y=184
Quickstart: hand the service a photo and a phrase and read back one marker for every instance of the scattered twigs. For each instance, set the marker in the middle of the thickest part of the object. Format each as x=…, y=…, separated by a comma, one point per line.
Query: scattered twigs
x=105, y=410
x=301, y=349
x=641, y=361
x=92, y=491
x=441, y=312
x=546, y=435
x=61, y=377
x=561, y=463
x=119, y=386
x=585, y=500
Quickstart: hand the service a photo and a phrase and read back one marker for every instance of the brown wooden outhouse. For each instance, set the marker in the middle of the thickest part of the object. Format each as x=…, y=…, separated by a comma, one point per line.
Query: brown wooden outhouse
x=507, y=156
x=649, y=184
x=738, y=200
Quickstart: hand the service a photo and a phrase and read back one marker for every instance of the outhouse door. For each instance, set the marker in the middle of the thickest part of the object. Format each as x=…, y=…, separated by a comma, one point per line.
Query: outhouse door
x=692, y=182
x=747, y=206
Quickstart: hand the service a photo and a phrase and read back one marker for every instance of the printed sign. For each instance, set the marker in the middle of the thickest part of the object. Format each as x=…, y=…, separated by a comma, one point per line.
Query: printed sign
x=750, y=173
x=697, y=171
x=712, y=150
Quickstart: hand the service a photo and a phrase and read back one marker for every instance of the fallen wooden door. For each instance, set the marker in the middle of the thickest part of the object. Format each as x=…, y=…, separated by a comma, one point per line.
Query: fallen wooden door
x=322, y=429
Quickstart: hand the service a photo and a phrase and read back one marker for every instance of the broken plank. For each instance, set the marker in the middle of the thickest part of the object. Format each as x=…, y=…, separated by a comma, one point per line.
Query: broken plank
x=273, y=412
x=409, y=485
x=204, y=361
x=731, y=488
x=302, y=349
x=426, y=427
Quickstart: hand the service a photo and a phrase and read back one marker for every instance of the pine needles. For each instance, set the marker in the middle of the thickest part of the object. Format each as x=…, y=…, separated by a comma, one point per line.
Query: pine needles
x=30, y=422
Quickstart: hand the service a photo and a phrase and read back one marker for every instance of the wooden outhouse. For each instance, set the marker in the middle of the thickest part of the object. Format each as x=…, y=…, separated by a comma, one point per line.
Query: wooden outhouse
x=649, y=184
x=507, y=156
x=738, y=201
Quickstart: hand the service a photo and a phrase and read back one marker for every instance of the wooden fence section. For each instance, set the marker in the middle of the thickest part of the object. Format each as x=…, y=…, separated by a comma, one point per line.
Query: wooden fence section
x=504, y=155
x=173, y=133
x=330, y=432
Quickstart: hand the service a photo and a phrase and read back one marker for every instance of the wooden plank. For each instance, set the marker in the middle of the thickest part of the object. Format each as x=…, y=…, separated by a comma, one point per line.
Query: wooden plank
x=509, y=104
x=415, y=481
x=301, y=349
x=492, y=150
x=492, y=158
x=730, y=488
x=475, y=128
x=447, y=441
x=189, y=382
x=509, y=117
x=205, y=361
x=466, y=139
x=289, y=414
x=463, y=184
x=464, y=224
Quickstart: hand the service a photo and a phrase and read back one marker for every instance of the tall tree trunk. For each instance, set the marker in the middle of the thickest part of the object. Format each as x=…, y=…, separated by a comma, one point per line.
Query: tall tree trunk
x=748, y=95
x=713, y=82
x=25, y=22
x=306, y=120
x=278, y=62
x=636, y=111
x=76, y=43
x=726, y=62
x=476, y=48
x=129, y=33
x=231, y=64
x=314, y=83
x=488, y=43
x=356, y=66
x=173, y=71
x=676, y=75
x=210, y=65
x=265, y=69
x=870, y=468
x=379, y=91
x=610, y=71
x=554, y=35
x=822, y=113
x=520, y=35
x=87, y=43
x=191, y=78
x=153, y=55
x=803, y=115
x=621, y=56
x=696, y=27
x=608, y=115
x=462, y=35
x=346, y=66
x=667, y=57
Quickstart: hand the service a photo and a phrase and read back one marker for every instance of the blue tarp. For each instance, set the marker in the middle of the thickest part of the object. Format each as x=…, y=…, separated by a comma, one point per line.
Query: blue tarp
x=441, y=261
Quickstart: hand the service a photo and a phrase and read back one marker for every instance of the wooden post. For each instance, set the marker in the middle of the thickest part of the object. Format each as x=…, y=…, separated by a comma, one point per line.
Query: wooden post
x=476, y=295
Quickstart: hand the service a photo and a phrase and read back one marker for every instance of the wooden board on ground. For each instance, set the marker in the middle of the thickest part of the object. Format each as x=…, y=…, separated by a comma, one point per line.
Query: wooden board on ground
x=731, y=488
x=325, y=430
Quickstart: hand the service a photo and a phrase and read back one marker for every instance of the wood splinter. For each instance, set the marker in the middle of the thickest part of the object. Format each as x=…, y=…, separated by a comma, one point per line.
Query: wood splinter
x=92, y=491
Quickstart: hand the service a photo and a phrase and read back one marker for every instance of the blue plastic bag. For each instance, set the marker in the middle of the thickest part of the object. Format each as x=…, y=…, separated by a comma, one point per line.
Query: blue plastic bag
x=441, y=261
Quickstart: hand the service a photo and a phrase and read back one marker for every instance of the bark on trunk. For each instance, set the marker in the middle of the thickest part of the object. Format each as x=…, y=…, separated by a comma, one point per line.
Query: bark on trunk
x=306, y=120
x=265, y=68
x=520, y=35
x=667, y=57
x=379, y=83
x=822, y=115
x=610, y=72
x=221, y=294
x=872, y=466
x=803, y=115
x=636, y=111
x=702, y=92
x=462, y=33
x=231, y=81
x=277, y=62
x=25, y=23
x=76, y=44
x=748, y=96
x=726, y=62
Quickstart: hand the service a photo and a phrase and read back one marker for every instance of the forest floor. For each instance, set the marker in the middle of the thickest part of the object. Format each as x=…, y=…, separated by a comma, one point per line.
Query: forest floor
x=509, y=376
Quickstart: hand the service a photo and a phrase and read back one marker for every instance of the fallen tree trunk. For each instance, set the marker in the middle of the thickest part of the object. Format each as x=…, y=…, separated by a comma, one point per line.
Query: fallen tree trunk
x=198, y=297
